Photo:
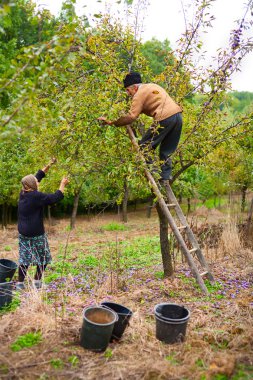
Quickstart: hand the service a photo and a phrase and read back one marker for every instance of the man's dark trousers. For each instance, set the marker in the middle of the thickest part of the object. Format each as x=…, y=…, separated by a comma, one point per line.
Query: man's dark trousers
x=166, y=134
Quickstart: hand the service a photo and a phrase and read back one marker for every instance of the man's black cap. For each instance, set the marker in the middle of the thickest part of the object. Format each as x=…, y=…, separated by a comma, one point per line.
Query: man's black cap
x=132, y=78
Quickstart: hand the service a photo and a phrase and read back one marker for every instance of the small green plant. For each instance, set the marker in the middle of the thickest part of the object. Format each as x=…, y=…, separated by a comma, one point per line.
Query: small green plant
x=220, y=376
x=108, y=353
x=43, y=376
x=7, y=248
x=73, y=360
x=57, y=363
x=4, y=370
x=159, y=274
x=243, y=372
x=11, y=307
x=213, y=287
x=171, y=358
x=200, y=363
x=26, y=340
x=89, y=261
x=114, y=227
x=186, y=280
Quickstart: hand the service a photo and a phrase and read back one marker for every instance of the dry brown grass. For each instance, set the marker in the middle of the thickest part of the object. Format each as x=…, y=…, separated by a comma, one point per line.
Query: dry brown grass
x=219, y=333
x=230, y=239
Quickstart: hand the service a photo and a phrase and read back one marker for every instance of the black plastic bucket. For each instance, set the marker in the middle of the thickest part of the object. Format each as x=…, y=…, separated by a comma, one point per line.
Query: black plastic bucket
x=124, y=315
x=5, y=293
x=7, y=270
x=97, y=328
x=171, y=322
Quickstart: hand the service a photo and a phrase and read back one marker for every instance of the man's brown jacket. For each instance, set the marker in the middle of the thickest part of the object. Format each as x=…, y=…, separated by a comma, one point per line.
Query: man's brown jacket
x=152, y=100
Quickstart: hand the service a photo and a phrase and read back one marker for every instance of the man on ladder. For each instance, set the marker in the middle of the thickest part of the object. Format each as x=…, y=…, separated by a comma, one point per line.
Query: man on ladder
x=165, y=131
x=153, y=101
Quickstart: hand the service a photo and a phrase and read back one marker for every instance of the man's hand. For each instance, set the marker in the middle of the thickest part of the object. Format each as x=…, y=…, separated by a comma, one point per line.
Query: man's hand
x=104, y=121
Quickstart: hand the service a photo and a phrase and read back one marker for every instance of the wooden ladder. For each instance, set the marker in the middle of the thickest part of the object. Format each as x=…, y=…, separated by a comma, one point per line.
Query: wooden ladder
x=189, y=253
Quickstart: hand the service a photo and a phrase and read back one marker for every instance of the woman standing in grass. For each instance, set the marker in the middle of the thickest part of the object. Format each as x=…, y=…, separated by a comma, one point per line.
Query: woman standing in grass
x=33, y=244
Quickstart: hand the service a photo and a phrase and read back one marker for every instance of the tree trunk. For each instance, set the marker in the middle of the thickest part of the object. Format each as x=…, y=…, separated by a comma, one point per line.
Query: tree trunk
x=249, y=219
x=74, y=210
x=164, y=243
x=243, y=192
x=89, y=212
x=9, y=214
x=188, y=205
x=149, y=207
x=4, y=215
x=124, y=203
x=219, y=202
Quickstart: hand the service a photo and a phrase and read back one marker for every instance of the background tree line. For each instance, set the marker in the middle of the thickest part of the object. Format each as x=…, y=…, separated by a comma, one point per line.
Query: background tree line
x=59, y=74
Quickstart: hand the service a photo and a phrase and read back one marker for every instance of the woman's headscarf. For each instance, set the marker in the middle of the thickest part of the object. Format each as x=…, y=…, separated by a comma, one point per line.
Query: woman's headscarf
x=29, y=183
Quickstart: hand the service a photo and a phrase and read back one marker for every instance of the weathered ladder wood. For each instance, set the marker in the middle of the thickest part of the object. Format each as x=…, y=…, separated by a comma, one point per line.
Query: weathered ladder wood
x=185, y=226
x=168, y=215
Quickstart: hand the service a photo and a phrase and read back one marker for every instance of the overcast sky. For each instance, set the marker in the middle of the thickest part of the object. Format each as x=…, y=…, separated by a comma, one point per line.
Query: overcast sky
x=165, y=19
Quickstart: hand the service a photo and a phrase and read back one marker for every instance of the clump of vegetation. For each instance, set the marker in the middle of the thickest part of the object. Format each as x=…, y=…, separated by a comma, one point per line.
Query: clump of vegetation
x=57, y=363
x=114, y=227
x=26, y=340
x=11, y=307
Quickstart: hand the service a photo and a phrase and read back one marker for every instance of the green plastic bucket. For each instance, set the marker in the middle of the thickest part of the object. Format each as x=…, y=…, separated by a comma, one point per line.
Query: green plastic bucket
x=97, y=328
x=171, y=322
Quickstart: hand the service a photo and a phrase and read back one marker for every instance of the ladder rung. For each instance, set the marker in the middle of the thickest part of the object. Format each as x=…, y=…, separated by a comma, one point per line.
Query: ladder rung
x=193, y=250
x=171, y=205
x=204, y=273
x=182, y=227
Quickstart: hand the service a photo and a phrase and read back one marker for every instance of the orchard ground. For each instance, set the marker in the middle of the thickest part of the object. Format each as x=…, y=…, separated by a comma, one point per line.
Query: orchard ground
x=103, y=259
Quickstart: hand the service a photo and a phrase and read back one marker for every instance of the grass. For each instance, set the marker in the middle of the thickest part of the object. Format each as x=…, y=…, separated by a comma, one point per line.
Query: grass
x=138, y=253
x=57, y=363
x=4, y=369
x=11, y=307
x=171, y=358
x=114, y=227
x=26, y=340
x=73, y=360
x=213, y=203
x=241, y=374
x=88, y=261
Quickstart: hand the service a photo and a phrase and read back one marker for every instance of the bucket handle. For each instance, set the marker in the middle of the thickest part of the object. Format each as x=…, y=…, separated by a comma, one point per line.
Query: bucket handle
x=108, y=308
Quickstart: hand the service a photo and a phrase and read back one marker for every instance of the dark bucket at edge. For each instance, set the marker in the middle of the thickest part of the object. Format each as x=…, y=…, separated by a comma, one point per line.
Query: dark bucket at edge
x=124, y=315
x=171, y=322
x=5, y=293
x=97, y=328
x=7, y=270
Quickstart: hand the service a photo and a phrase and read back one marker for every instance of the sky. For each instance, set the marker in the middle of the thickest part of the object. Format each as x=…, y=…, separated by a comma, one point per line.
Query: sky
x=165, y=19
